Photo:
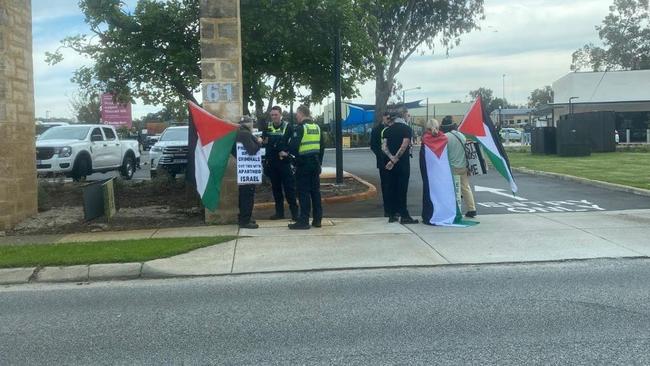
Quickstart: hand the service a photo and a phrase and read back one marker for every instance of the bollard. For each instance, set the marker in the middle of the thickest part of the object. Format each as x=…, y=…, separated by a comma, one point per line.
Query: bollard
x=627, y=136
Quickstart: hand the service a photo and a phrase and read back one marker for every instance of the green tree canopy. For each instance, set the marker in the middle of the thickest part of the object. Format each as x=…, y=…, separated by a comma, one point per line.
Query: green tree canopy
x=287, y=44
x=625, y=33
x=399, y=28
x=540, y=97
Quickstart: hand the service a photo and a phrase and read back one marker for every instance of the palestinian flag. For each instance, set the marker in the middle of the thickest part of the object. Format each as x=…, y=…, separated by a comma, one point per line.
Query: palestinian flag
x=215, y=139
x=478, y=125
x=440, y=197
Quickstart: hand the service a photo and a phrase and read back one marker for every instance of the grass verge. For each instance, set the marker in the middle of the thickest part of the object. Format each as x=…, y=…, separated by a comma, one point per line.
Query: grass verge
x=123, y=251
x=626, y=168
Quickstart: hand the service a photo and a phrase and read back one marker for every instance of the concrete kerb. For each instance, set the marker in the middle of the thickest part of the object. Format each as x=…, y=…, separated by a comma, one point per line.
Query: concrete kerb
x=595, y=183
x=371, y=192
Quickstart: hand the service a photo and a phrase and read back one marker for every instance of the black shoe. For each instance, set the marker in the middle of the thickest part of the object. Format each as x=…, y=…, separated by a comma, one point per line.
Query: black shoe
x=386, y=214
x=299, y=226
x=408, y=220
x=250, y=225
x=316, y=223
x=470, y=214
x=276, y=217
x=393, y=219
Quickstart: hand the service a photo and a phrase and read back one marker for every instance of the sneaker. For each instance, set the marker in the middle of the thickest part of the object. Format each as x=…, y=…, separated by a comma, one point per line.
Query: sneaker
x=250, y=225
x=470, y=214
x=276, y=217
x=393, y=219
x=299, y=226
x=408, y=220
x=316, y=223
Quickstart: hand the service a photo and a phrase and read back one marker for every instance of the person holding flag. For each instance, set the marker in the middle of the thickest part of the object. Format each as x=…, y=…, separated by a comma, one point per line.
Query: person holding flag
x=458, y=161
x=252, y=145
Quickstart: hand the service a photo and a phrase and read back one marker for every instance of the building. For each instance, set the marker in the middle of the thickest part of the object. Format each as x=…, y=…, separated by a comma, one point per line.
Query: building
x=512, y=116
x=627, y=93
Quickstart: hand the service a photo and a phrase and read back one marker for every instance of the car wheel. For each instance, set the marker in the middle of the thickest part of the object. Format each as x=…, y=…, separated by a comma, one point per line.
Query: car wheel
x=128, y=167
x=80, y=170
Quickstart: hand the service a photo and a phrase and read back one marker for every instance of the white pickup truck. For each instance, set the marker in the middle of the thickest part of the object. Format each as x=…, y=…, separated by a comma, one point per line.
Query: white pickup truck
x=80, y=150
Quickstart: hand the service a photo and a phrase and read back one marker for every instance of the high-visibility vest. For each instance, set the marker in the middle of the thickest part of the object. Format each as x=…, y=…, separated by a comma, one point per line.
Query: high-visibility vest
x=272, y=131
x=310, y=143
x=382, y=132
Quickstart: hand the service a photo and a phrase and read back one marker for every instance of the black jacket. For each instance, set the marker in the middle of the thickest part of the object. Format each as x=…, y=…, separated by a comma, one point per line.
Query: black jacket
x=246, y=137
x=375, y=145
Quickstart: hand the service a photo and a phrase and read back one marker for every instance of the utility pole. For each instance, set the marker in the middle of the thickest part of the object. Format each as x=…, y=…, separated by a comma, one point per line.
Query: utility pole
x=337, y=107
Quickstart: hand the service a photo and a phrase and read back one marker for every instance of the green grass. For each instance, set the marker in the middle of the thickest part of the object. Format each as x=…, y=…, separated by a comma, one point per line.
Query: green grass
x=626, y=168
x=67, y=254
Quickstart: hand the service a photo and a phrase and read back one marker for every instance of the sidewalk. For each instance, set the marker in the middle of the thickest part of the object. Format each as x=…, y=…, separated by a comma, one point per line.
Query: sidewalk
x=373, y=243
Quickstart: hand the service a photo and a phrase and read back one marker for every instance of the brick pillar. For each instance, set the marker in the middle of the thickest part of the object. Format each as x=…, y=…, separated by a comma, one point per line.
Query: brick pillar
x=18, y=197
x=221, y=75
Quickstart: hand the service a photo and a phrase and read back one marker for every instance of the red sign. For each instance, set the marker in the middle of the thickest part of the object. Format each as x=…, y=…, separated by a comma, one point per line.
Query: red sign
x=115, y=114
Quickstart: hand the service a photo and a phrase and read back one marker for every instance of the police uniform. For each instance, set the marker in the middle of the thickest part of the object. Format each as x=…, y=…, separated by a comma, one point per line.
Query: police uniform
x=306, y=144
x=376, y=138
x=279, y=171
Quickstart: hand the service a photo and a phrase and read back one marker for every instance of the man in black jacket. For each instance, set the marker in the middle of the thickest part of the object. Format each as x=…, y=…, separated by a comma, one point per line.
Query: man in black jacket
x=279, y=169
x=247, y=191
x=306, y=144
x=375, y=146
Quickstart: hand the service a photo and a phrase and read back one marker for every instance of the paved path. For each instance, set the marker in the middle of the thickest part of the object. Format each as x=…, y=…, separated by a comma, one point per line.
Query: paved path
x=588, y=313
x=373, y=243
x=536, y=194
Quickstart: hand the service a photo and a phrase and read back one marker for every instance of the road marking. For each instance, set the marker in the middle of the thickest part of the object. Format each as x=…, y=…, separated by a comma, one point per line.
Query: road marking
x=500, y=192
x=544, y=206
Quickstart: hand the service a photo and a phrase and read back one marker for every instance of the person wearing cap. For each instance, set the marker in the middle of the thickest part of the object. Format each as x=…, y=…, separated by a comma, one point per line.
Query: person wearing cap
x=252, y=145
x=306, y=144
x=396, y=145
x=375, y=146
x=458, y=160
x=279, y=169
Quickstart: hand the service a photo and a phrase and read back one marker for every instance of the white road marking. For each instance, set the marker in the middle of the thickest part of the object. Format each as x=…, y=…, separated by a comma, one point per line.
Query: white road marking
x=500, y=192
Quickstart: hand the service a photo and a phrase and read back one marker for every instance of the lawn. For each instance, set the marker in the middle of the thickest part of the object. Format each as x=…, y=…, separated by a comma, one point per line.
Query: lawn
x=123, y=251
x=626, y=168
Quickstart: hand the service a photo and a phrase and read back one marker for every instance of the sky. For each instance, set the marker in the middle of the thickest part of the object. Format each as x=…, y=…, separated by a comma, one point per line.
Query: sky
x=530, y=41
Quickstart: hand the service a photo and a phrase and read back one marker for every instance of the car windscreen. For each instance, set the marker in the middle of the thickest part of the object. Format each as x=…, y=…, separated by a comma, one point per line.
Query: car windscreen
x=65, y=133
x=175, y=134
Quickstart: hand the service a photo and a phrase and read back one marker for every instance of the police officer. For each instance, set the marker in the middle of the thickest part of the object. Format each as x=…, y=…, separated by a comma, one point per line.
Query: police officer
x=278, y=168
x=375, y=146
x=306, y=144
x=397, y=148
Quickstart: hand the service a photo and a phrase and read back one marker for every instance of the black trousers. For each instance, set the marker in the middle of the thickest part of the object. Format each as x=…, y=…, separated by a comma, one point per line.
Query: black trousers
x=398, y=186
x=246, y=202
x=308, y=185
x=383, y=179
x=283, y=183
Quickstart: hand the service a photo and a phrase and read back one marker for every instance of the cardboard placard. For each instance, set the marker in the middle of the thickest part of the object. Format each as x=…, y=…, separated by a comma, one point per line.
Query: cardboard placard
x=475, y=161
x=249, y=167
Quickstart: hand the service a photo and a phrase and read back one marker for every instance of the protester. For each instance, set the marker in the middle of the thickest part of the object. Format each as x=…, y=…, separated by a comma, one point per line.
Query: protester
x=306, y=144
x=252, y=145
x=458, y=161
x=375, y=146
x=396, y=146
x=528, y=129
x=279, y=169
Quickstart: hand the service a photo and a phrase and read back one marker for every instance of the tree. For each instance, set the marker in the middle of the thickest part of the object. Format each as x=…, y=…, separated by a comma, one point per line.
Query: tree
x=86, y=107
x=286, y=44
x=625, y=34
x=399, y=28
x=490, y=103
x=540, y=97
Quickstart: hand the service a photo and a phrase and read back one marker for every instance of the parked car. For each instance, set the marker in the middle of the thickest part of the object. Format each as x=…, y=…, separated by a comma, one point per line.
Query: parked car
x=149, y=141
x=44, y=126
x=80, y=150
x=170, y=152
x=510, y=134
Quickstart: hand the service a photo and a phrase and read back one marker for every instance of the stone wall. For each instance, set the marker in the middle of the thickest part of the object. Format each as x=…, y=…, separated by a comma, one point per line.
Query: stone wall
x=221, y=71
x=18, y=192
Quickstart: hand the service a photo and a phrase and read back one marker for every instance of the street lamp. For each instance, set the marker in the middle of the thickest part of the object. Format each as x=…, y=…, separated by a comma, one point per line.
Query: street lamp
x=571, y=105
x=503, y=85
x=404, y=94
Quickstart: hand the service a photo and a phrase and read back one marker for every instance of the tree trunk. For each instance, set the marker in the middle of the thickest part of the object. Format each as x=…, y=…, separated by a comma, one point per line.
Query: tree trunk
x=382, y=92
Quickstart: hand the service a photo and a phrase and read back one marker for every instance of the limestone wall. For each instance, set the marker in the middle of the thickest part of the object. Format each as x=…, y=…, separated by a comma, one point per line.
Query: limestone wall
x=18, y=197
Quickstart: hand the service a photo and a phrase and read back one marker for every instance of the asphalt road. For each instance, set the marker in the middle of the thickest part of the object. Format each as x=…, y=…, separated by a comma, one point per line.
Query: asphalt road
x=536, y=194
x=579, y=313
